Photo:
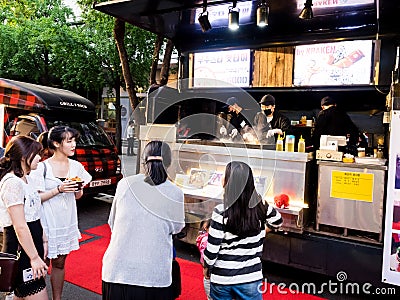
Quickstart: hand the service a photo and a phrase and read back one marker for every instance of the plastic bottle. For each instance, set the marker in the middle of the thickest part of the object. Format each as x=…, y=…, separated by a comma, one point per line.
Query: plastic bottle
x=301, y=147
x=289, y=143
x=279, y=143
x=361, y=152
x=380, y=148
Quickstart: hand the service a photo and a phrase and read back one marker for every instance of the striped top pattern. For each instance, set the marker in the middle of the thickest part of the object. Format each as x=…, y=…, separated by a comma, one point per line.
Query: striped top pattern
x=232, y=259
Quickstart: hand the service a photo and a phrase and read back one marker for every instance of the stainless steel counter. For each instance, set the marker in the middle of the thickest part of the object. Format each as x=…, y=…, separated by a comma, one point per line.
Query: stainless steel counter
x=350, y=197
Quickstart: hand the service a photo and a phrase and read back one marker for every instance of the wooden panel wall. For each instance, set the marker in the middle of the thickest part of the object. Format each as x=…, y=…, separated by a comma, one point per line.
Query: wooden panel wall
x=273, y=67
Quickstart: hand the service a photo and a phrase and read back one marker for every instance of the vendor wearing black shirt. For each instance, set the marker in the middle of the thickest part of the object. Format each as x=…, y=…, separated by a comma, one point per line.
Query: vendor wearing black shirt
x=269, y=122
x=333, y=121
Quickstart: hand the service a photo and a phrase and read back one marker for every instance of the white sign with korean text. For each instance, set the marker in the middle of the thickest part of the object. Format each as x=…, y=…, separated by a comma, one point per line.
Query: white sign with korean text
x=222, y=68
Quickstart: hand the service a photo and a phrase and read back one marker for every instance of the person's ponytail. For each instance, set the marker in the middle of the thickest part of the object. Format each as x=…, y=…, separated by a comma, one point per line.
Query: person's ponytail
x=157, y=156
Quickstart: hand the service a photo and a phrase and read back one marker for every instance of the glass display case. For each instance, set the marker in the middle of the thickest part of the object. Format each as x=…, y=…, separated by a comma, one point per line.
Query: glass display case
x=198, y=167
x=198, y=170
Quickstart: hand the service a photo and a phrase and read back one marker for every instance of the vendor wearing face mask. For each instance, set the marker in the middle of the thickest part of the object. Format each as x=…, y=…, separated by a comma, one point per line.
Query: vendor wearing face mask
x=236, y=119
x=268, y=123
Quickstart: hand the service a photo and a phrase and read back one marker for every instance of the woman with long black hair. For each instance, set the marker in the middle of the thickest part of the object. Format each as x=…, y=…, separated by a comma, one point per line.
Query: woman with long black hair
x=236, y=235
x=59, y=194
x=20, y=216
x=147, y=210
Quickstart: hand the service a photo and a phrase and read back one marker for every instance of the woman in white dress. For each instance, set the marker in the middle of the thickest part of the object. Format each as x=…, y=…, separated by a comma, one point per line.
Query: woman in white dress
x=58, y=195
x=20, y=217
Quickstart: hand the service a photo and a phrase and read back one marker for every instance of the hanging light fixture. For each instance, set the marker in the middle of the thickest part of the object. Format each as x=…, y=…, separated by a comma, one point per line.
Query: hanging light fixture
x=307, y=12
x=262, y=14
x=233, y=17
x=203, y=18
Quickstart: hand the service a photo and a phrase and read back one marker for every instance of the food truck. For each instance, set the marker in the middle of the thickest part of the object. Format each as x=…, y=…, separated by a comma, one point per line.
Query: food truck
x=30, y=109
x=341, y=216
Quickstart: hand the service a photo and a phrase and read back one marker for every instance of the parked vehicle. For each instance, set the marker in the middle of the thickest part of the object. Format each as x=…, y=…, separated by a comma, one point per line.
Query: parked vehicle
x=31, y=109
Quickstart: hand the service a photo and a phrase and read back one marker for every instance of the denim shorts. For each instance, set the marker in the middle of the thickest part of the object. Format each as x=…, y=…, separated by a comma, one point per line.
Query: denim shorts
x=243, y=291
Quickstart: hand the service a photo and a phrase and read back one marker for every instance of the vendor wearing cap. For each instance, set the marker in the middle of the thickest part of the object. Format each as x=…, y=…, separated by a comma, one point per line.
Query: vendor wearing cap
x=333, y=121
x=235, y=118
x=269, y=122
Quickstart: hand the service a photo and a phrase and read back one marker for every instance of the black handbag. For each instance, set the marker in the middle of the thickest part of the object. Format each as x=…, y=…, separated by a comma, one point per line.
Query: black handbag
x=8, y=271
x=8, y=266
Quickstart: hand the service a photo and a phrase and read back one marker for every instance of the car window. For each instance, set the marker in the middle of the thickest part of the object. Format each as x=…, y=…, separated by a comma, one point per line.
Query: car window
x=26, y=127
x=91, y=134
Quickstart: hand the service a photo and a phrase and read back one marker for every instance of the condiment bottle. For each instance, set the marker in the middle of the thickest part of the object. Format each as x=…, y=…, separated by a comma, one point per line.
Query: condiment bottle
x=361, y=152
x=279, y=143
x=380, y=147
x=289, y=143
x=301, y=147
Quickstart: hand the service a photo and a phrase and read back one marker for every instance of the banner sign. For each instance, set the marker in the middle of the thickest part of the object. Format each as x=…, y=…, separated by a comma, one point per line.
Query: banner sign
x=222, y=69
x=391, y=248
x=334, y=3
x=340, y=63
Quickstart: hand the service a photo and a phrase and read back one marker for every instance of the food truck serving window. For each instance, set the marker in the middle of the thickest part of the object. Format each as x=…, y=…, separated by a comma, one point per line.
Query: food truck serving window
x=340, y=63
x=222, y=68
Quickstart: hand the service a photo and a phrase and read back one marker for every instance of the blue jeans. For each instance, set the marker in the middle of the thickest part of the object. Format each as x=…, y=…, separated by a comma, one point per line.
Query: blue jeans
x=244, y=291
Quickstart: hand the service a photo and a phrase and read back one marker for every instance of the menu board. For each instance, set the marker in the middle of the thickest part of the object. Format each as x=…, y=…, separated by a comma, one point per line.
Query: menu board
x=222, y=68
x=339, y=63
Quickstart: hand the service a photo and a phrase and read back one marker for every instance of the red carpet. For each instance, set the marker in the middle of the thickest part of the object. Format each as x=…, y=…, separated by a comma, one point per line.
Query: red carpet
x=83, y=268
x=85, y=237
x=102, y=230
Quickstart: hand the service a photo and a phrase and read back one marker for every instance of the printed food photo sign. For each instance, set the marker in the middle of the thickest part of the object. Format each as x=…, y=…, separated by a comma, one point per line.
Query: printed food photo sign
x=341, y=63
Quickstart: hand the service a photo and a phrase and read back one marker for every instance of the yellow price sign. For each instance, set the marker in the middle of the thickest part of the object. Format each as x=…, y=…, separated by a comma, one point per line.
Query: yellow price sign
x=352, y=185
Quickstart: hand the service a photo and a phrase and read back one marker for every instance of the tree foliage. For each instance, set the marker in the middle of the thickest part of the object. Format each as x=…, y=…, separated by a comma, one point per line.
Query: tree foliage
x=41, y=42
x=138, y=43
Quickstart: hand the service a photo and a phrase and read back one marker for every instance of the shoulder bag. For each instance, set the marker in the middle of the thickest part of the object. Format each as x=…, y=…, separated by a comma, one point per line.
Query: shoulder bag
x=8, y=271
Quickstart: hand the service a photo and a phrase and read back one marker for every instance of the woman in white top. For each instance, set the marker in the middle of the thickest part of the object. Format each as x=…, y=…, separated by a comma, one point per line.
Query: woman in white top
x=58, y=195
x=20, y=216
x=147, y=210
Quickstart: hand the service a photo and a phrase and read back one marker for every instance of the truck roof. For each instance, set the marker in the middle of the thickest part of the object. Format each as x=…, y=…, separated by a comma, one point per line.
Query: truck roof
x=35, y=97
x=177, y=20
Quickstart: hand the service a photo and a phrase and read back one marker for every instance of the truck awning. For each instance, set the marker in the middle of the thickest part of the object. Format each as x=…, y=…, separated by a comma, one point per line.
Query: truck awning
x=35, y=97
x=177, y=20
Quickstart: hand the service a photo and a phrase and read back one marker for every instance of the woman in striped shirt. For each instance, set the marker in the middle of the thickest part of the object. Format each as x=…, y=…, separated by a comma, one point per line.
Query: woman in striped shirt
x=236, y=235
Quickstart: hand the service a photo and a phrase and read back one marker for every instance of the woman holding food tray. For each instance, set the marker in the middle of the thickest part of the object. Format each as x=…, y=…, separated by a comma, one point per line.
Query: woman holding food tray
x=60, y=182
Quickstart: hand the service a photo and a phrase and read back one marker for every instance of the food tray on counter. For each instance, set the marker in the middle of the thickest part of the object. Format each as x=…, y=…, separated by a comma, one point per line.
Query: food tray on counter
x=370, y=161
